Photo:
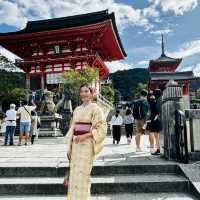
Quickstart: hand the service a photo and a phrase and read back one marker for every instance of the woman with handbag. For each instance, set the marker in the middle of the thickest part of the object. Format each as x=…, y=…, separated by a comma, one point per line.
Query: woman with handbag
x=35, y=121
x=84, y=141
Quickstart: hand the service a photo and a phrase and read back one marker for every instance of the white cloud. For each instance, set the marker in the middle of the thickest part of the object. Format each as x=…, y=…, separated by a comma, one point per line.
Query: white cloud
x=195, y=68
x=127, y=15
x=143, y=63
x=151, y=11
x=16, y=13
x=34, y=9
x=162, y=31
x=118, y=65
x=187, y=49
x=8, y=54
x=10, y=14
x=179, y=7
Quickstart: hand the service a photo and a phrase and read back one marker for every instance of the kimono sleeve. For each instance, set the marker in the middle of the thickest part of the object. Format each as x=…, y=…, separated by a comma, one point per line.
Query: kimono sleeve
x=99, y=125
x=69, y=135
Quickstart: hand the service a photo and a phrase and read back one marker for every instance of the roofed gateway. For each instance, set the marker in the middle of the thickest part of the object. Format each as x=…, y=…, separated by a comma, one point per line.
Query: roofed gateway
x=50, y=47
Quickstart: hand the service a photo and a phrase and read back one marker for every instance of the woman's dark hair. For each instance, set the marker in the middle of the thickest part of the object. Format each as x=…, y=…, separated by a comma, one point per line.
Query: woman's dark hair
x=144, y=93
x=128, y=112
x=117, y=113
x=87, y=86
x=149, y=95
x=157, y=93
x=30, y=103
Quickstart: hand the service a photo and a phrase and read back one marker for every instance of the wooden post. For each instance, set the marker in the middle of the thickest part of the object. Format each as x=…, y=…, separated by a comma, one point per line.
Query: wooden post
x=27, y=80
x=42, y=77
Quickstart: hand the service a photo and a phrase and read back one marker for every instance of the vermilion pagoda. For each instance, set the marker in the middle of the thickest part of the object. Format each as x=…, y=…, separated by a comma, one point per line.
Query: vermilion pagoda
x=50, y=47
x=164, y=68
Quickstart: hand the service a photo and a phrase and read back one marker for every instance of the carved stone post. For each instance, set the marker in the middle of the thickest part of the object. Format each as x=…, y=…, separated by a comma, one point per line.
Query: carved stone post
x=170, y=102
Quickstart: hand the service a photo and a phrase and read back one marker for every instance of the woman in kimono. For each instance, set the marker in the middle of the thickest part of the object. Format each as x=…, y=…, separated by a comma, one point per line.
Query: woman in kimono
x=82, y=149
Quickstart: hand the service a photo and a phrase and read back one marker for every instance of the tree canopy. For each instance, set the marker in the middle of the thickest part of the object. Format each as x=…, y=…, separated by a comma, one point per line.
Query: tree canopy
x=127, y=81
x=73, y=79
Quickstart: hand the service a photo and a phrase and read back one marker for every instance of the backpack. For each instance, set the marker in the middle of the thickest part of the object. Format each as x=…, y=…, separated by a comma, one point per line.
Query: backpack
x=139, y=110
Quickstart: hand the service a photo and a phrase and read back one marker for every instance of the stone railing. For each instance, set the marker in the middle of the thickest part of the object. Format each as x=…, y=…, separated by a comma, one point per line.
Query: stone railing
x=105, y=104
x=170, y=102
x=193, y=117
x=108, y=103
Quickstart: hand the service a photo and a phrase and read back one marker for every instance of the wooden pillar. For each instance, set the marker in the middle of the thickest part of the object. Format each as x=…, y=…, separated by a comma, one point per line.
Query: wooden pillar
x=186, y=89
x=27, y=80
x=186, y=96
x=42, y=77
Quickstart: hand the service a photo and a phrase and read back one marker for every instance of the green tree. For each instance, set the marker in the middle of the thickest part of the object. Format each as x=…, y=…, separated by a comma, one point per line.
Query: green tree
x=108, y=92
x=11, y=94
x=198, y=92
x=117, y=96
x=73, y=79
x=18, y=94
x=136, y=92
x=126, y=81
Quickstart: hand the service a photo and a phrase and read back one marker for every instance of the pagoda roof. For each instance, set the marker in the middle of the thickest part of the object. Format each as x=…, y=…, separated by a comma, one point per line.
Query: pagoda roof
x=164, y=58
x=163, y=61
x=65, y=23
x=161, y=76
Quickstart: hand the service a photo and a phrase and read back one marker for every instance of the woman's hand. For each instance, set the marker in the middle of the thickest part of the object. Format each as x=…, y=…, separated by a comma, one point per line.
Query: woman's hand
x=69, y=156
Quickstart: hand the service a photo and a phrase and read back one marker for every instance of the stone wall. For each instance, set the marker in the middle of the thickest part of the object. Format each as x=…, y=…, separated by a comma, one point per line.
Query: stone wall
x=193, y=117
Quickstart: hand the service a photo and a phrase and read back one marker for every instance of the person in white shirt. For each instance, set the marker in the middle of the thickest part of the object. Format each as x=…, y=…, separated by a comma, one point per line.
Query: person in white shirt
x=11, y=116
x=115, y=124
x=24, y=113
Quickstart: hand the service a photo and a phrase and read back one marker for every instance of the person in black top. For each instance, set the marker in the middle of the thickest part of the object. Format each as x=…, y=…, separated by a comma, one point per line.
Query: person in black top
x=155, y=122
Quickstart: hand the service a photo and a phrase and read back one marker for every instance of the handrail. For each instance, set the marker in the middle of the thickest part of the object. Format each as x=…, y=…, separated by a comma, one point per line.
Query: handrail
x=105, y=100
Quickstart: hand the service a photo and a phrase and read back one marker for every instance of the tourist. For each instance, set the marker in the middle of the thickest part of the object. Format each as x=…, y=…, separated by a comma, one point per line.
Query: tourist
x=11, y=116
x=35, y=121
x=151, y=135
x=115, y=125
x=128, y=121
x=24, y=112
x=2, y=124
x=156, y=124
x=140, y=113
x=84, y=141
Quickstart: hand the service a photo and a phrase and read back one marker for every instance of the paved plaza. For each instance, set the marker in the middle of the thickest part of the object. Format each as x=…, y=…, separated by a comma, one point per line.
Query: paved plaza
x=160, y=196
x=51, y=152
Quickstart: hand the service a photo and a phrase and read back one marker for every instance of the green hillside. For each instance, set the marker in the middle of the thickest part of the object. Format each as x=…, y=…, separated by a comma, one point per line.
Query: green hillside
x=126, y=81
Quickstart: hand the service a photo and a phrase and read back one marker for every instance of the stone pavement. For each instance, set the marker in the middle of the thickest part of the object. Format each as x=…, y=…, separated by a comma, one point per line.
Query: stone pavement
x=51, y=152
x=158, y=196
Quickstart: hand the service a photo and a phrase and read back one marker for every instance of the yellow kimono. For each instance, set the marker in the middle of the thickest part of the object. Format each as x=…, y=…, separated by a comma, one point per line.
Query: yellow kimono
x=83, y=154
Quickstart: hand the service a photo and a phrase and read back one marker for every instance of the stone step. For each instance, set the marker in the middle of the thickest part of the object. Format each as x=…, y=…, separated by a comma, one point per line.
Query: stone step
x=97, y=170
x=100, y=184
x=127, y=196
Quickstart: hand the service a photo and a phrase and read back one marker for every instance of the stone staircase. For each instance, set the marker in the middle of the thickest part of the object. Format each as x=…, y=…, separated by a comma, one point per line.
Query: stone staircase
x=108, y=182
x=106, y=105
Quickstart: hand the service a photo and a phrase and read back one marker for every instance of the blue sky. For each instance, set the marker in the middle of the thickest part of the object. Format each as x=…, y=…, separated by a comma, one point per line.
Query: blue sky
x=140, y=23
